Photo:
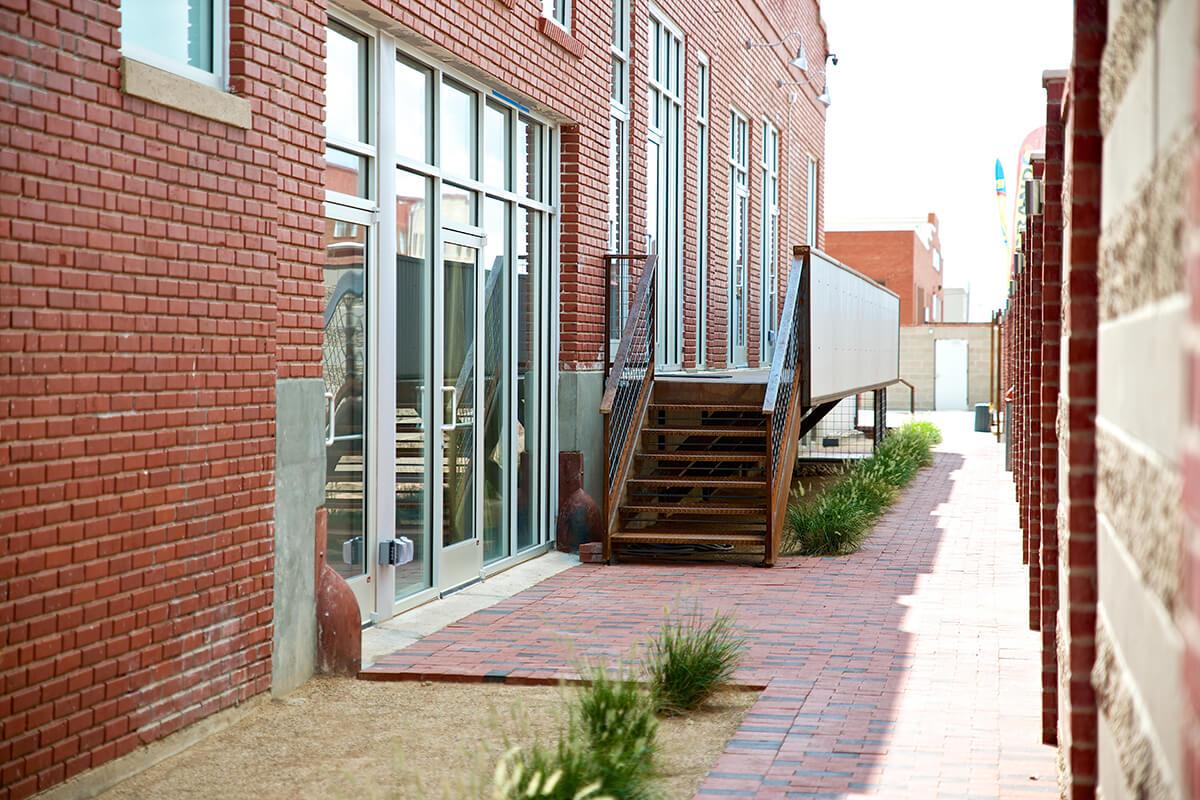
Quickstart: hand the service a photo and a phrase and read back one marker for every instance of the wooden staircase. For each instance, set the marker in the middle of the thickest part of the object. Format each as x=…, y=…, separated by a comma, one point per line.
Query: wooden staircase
x=696, y=464
x=699, y=480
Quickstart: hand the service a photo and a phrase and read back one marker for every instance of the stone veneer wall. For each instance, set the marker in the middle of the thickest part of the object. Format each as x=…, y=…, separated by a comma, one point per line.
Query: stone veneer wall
x=1146, y=113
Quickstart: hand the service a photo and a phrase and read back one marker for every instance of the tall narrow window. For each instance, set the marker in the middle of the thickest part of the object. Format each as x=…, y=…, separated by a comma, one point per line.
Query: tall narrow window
x=664, y=183
x=348, y=142
x=770, y=239
x=618, y=171
x=810, y=210
x=739, y=202
x=701, y=210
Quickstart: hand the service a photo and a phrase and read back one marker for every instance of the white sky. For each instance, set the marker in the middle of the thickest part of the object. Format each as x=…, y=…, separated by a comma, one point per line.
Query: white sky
x=926, y=95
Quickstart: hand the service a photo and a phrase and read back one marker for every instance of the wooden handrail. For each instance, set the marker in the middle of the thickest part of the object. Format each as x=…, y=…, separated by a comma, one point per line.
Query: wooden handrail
x=639, y=301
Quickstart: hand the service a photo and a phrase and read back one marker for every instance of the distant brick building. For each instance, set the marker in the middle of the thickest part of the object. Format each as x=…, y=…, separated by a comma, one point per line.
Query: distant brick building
x=1100, y=353
x=903, y=255
x=279, y=273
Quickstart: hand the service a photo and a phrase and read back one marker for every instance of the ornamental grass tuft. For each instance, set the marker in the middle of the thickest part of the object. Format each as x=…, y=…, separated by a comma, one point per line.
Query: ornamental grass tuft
x=836, y=521
x=690, y=660
x=605, y=751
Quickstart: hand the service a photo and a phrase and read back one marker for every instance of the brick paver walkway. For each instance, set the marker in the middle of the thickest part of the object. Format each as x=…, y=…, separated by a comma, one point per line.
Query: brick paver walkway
x=905, y=670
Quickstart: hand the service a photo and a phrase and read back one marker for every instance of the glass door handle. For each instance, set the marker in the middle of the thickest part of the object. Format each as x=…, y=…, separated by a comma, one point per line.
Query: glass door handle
x=332, y=412
x=449, y=426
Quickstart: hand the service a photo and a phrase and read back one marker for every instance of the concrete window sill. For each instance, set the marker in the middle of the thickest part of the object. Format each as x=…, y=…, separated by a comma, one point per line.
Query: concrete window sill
x=175, y=91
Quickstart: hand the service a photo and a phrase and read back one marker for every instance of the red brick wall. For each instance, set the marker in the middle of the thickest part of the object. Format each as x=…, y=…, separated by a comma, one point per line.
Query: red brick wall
x=1051, y=343
x=747, y=79
x=159, y=272
x=895, y=258
x=1083, y=141
x=156, y=276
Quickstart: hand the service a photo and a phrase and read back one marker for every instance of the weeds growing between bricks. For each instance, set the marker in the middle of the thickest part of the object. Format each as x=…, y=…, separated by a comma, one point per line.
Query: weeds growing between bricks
x=606, y=750
x=836, y=521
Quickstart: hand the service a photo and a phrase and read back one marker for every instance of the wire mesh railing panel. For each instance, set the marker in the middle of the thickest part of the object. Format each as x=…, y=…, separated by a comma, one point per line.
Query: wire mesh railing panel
x=847, y=432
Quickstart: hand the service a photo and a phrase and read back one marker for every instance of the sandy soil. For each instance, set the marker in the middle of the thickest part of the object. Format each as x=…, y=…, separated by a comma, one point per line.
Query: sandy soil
x=425, y=741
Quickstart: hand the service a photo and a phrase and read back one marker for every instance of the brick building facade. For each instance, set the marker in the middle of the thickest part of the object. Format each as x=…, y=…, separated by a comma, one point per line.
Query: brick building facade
x=903, y=255
x=1098, y=352
x=192, y=244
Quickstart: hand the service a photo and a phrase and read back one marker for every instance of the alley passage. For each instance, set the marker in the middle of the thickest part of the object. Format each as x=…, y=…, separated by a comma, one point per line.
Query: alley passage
x=905, y=670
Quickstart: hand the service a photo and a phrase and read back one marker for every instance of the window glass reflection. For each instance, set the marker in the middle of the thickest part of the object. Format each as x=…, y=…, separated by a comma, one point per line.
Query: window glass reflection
x=497, y=421
x=181, y=30
x=345, y=172
x=343, y=367
x=412, y=364
x=346, y=84
x=413, y=88
x=496, y=147
x=458, y=130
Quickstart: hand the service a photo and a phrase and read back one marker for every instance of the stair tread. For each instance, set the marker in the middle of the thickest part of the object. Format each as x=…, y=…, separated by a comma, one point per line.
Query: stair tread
x=705, y=431
x=742, y=407
x=701, y=483
x=651, y=536
x=705, y=509
x=675, y=455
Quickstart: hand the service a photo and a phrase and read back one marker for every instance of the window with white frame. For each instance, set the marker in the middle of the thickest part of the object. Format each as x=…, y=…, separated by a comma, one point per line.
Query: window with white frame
x=349, y=145
x=770, y=235
x=558, y=10
x=810, y=209
x=618, y=170
x=702, y=78
x=664, y=181
x=739, y=209
x=182, y=36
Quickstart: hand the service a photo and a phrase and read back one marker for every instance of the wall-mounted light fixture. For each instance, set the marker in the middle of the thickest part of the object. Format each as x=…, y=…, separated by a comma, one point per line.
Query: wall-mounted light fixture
x=799, y=61
x=824, y=97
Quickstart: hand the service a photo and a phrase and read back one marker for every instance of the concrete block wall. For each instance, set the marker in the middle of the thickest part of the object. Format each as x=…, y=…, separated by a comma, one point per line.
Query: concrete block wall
x=917, y=351
x=1147, y=115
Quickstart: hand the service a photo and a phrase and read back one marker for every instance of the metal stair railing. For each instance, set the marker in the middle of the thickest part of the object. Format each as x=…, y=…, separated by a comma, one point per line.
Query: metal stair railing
x=627, y=391
x=786, y=397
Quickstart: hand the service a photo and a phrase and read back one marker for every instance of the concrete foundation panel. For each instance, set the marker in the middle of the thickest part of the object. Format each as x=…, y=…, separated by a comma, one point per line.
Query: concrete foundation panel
x=299, y=491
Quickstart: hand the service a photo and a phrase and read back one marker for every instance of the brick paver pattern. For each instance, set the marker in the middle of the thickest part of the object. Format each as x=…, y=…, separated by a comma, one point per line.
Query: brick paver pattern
x=906, y=670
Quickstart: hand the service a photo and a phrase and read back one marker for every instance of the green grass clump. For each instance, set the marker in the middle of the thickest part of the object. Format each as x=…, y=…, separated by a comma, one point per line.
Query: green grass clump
x=606, y=749
x=836, y=521
x=690, y=660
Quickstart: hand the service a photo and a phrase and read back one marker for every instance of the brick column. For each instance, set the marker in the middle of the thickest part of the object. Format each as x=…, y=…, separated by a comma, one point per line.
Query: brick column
x=1083, y=145
x=1052, y=223
x=1033, y=507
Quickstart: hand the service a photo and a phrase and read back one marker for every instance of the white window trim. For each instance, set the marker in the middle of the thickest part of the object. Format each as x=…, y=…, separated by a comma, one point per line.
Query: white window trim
x=739, y=167
x=377, y=126
x=218, y=78
x=812, y=184
x=703, y=146
x=769, y=233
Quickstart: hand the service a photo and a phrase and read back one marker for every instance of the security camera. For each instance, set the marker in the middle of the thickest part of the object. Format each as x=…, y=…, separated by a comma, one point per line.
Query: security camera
x=833, y=58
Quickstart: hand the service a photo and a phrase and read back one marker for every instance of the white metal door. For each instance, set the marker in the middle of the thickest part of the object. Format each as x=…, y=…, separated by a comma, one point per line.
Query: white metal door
x=950, y=375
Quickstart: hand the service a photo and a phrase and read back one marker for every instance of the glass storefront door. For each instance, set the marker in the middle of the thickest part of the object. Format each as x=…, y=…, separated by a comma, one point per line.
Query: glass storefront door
x=344, y=369
x=461, y=552
x=439, y=346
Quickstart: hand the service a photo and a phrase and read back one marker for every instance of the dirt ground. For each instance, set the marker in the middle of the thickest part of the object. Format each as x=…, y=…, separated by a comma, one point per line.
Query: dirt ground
x=337, y=738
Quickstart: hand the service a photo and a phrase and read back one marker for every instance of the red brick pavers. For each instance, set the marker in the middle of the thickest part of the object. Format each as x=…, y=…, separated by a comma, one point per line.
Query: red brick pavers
x=905, y=670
